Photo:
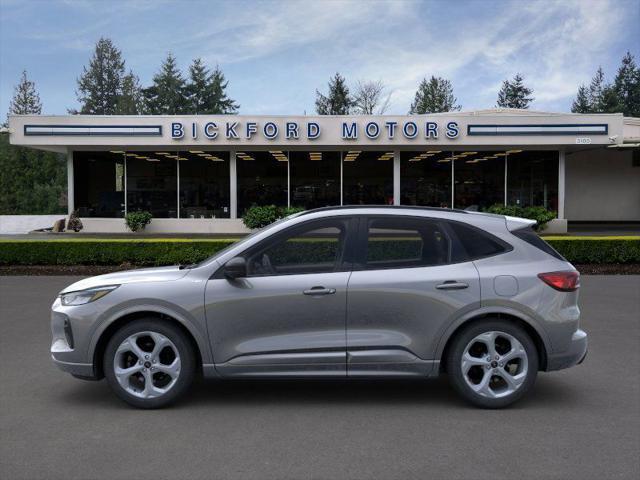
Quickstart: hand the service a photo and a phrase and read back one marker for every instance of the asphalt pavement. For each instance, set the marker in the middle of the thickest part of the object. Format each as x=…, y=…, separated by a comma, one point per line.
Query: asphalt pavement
x=581, y=423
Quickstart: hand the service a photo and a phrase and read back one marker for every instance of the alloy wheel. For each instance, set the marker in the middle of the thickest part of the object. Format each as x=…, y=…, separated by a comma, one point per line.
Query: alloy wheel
x=147, y=364
x=494, y=364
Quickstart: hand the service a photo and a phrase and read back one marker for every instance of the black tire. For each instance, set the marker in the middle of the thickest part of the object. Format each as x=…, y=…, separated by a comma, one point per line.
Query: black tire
x=456, y=351
x=185, y=351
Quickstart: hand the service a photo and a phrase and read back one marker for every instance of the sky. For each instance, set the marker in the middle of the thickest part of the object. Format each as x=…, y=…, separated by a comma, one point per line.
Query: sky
x=275, y=54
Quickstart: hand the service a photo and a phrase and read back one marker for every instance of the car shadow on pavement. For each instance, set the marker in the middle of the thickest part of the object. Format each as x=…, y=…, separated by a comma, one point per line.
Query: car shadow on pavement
x=309, y=393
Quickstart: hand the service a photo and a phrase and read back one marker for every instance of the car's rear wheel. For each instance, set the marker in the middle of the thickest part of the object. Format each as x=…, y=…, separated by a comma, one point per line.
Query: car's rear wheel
x=149, y=363
x=492, y=363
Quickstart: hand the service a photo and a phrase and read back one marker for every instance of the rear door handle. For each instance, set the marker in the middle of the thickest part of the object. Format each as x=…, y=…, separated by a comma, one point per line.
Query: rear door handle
x=452, y=285
x=320, y=291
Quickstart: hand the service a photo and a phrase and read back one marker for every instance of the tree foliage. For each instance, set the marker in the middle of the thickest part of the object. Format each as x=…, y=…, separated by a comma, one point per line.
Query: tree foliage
x=131, y=100
x=206, y=91
x=167, y=95
x=433, y=96
x=338, y=100
x=514, y=93
x=100, y=85
x=25, y=99
x=371, y=98
x=623, y=95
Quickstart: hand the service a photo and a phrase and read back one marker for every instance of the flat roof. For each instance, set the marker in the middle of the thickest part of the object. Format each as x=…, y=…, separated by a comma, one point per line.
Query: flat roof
x=479, y=128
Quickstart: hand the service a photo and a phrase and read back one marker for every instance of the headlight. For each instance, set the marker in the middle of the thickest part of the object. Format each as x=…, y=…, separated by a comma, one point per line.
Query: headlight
x=85, y=296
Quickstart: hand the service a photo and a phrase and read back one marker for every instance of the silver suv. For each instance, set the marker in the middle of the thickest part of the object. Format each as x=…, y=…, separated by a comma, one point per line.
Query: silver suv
x=335, y=292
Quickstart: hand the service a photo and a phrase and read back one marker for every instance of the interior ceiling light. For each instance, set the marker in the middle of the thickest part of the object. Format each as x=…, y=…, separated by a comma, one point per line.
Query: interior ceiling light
x=444, y=160
x=116, y=151
x=514, y=151
x=434, y=151
x=152, y=160
x=500, y=154
x=162, y=153
x=141, y=157
x=196, y=151
x=131, y=154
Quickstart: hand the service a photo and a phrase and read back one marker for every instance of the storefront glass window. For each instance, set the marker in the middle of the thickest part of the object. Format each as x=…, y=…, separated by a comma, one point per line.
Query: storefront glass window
x=262, y=179
x=425, y=178
x=478, y=179
x=367, y=178
x=204, y=184
x=532, y=179
x=315, y=179
x=152, y=183
x=99, y=184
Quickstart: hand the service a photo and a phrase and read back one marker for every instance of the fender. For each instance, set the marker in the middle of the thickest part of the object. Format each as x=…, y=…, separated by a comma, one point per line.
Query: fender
x=488, y=310
x=155, y=306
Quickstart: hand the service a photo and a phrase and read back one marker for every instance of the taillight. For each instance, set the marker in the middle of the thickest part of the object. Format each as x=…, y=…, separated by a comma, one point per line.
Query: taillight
x=562, y=281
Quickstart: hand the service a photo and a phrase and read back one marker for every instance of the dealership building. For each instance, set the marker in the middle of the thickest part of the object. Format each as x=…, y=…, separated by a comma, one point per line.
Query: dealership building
x=201, y=173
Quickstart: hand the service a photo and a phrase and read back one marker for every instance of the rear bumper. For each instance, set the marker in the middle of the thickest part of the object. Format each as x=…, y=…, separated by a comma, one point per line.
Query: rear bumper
x=574, y=355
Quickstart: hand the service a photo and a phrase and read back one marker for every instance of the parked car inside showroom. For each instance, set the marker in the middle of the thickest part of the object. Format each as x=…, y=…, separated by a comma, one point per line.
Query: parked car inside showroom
x=340, y=292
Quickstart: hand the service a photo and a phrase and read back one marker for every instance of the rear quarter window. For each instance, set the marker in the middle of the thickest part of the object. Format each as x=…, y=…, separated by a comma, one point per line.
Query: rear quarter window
x=532, y=238
x=476, y=243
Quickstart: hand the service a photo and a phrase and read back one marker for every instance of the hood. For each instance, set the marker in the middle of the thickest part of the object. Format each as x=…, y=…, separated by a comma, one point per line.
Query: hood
x=158, y=274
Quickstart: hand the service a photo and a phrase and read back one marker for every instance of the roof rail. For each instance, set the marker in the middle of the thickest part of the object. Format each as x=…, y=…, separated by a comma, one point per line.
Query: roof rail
x=390, y=207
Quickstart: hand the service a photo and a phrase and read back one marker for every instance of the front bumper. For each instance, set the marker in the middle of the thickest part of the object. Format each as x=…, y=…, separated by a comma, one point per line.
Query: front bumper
x=574, y=355
x=79, y=370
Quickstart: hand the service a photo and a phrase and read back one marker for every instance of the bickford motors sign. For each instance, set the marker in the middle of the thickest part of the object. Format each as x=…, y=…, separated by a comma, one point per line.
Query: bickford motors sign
x=294, y=130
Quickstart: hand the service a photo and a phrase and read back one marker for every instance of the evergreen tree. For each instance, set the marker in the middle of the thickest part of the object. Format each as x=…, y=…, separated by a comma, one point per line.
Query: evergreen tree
x=25, y=99
x=167, y=95
x=130, y=101
x=206, y=91
x=219, y=102
x=338, y=101
x=627, y=86
x=581, y=104
x=596, y=91
x=433, y=96
x=514, y=94
x=100, y=85
x=31, y=181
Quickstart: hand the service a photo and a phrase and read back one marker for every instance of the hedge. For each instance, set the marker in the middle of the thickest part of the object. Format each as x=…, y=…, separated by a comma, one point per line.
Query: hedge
x=153, y=252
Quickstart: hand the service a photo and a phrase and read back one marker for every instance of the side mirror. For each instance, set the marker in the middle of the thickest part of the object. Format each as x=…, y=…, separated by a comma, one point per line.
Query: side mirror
x=235, y=268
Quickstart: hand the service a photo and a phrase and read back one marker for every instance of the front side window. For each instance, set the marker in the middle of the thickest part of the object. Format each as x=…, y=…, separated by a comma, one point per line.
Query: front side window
x=406, y=243
x=314, y=248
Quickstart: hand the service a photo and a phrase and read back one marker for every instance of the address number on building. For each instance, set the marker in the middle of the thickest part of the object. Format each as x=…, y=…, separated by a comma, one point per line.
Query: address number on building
x=583, y=141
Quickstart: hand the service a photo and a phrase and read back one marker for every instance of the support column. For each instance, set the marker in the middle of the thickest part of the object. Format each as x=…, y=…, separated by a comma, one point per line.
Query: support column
x=506, y=173
x=561, y=182
x=396, y=177
x=70, y=183
x=233, y=185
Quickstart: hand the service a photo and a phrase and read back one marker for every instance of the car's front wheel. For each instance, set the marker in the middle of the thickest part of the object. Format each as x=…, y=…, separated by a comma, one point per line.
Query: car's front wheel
x=492, y=363
x=149, y=363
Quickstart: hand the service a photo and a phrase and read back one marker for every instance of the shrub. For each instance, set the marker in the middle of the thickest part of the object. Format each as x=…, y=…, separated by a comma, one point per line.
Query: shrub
x=541, y=215
x=137, y=220
x=74, y=223
x=155, y=252
x=261, y=216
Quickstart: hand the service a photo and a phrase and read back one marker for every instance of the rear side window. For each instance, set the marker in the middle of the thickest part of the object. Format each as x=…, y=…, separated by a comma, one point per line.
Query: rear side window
x=477, y=243
x=532, y=238
x=405, y=243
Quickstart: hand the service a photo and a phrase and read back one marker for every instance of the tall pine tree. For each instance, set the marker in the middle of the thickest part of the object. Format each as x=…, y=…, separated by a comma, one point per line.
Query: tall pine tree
x=31, y=181
x=206, y=92
x=130, y=101
x=100, y=85
x=338, y=100
x=25, y=99
x=627, y=86
x=167, y=94
x=514, y=94
x=582, y=103
x=433, y=96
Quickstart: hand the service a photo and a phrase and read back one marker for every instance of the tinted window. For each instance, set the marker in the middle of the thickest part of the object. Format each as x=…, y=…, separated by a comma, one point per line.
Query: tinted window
x=532, y=238
x=405, y=242
x=476, y=243
x=314, y=248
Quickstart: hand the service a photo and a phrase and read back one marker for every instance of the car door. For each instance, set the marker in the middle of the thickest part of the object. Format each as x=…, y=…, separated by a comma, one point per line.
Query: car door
x=407, y=285
x=288, y=315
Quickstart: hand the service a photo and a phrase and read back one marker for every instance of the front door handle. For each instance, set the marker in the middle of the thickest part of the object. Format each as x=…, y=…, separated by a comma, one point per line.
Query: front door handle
x=452, y=285
x=320, y=291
